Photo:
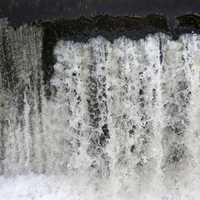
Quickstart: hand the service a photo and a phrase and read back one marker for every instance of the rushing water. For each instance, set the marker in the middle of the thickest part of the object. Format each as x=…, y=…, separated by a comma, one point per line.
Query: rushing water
x=122, y=118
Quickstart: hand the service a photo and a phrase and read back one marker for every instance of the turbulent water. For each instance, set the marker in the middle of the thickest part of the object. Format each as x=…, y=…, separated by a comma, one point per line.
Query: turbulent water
x=122, y=120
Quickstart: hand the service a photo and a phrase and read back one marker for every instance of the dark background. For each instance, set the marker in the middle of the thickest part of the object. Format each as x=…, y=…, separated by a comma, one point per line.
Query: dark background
x=19, y=11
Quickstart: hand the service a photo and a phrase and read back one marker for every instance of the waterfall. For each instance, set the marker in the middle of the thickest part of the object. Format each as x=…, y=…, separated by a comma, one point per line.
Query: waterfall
x=122, y=118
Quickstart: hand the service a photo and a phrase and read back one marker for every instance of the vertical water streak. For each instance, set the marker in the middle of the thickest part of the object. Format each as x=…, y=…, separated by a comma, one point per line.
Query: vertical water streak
x=20, y=66
x=133, y=76
x=176, y=95
x=97, y=107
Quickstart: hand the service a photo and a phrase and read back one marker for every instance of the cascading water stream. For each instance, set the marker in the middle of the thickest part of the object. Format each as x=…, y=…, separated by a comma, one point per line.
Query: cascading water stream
x=122, y=118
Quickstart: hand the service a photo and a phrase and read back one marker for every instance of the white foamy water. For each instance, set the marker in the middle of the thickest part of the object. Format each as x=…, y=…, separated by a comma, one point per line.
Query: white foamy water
x=122, y=122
